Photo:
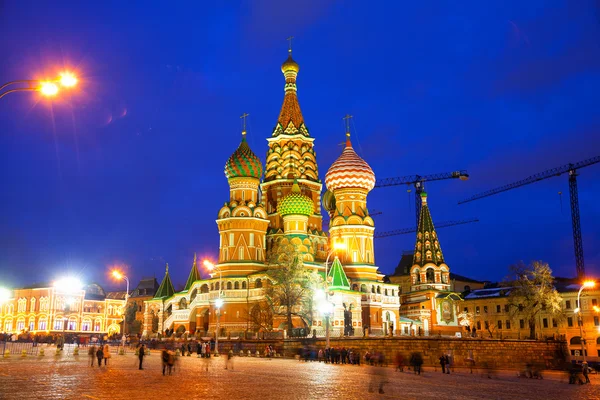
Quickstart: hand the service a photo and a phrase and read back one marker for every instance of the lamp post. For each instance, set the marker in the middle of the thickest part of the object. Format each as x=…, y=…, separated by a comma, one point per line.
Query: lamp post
x=219, y=302
x=586, y=284
x=336, y=246
x=120, y=276
x=47, y=88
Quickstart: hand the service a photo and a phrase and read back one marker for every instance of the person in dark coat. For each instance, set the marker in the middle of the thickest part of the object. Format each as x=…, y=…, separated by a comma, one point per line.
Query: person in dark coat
x=447, y=357
x=99, y=355
x=416, y=360
x=443, y=363
x=141, y=355
x=165, y=359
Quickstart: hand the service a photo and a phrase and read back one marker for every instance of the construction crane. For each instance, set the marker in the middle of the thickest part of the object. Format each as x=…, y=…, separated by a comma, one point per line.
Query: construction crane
x=419, y=183
x=574, y=196
x=411, y=230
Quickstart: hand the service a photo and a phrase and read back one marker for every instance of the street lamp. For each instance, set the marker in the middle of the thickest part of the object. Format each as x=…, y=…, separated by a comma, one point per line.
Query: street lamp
x=120, y=276
x=68, y=285
x=219, y=302
x=328, y=309
x=48, y=88
x=586, y=284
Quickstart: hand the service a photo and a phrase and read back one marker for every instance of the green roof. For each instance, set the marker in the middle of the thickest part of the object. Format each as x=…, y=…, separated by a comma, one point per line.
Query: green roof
x=337, y=276
x=166, y=289
x=194, y=274
x=243, y=162
x=296, y=203
x=427, y=248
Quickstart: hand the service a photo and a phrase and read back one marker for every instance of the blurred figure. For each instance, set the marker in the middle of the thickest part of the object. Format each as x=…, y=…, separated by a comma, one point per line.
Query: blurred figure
x=585, y=371
x=443, y=363
x=399, y=362
x=99, y=355
x=229, y=360
x=92, y=353
x=416, y=360
x=164, y=356
x=106, y=352
x=378, y=379
x=141, y=355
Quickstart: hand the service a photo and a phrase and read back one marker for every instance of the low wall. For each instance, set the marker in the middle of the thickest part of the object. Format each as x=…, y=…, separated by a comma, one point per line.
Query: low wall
x=485, y=352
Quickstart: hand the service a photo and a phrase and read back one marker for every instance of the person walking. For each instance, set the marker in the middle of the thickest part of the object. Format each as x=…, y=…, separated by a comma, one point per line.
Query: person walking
x=229, y=360
x=92, y=354
x=443, y=363
x=399, y=362
x=164, y=356
x=585, y=371
x=199, y=349
x=99, y=355
x=416, y=360
x=141, y=355
x=447, y=357
x=106, y=352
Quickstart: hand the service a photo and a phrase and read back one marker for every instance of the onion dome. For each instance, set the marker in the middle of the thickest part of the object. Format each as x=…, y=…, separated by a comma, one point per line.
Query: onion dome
x=350, y=171
x=243, y=162
x=295, y=203
x=290, y=65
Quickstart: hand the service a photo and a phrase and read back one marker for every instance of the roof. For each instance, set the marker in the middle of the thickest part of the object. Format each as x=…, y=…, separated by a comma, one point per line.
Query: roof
x=146, y=287
x=427, y=248
x=166, y=289
x=116, y=295
x=487, y=293
x=295, y=203
x=93, y=291
x=194, y=274
x=337, y=276
x=290, y=121
x=463, y=278
x=243, y=162
x=410, y=321
x=406, y=261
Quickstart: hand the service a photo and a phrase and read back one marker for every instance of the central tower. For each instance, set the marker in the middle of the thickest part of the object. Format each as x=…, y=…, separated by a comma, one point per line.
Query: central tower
x=291, y=164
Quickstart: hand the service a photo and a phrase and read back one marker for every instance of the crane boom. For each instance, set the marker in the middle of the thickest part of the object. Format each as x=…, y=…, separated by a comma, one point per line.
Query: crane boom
x=574, y=197
x=412, y=179
x=411, y=230
x=534, y=178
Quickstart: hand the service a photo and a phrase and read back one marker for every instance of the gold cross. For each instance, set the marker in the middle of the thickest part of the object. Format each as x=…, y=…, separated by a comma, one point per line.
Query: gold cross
x=347, y=119
x=290, y=40
x=243, y=117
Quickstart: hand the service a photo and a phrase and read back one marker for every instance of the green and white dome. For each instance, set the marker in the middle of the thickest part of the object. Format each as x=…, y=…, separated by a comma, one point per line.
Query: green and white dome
x=295, y=203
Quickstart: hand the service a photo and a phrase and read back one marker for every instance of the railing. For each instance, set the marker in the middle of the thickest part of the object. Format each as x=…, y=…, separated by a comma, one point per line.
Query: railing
x=380, y=298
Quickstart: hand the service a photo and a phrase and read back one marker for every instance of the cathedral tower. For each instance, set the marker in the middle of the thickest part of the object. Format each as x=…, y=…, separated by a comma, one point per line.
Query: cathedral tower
x=242, y=220
x=349, y=180
x=291, y=160
x=429, y=270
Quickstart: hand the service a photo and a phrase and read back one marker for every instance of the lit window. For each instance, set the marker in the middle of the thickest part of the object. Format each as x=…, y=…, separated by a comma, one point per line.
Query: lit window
x=251, y=239
x=42, y=324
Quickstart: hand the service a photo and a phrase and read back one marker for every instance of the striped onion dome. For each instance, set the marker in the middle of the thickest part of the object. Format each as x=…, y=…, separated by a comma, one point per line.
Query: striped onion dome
x=243, y=162
x=295, y=203
x=350, y=171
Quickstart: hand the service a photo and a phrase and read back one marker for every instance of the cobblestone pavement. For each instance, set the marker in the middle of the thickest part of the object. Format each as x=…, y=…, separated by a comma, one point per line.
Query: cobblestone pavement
x=71, y=377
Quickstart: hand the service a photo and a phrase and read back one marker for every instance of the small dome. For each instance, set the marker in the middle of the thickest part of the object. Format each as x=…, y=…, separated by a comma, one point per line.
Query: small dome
x=350, y=171
x=295, y=203
x=290, y=65
x=243, y=162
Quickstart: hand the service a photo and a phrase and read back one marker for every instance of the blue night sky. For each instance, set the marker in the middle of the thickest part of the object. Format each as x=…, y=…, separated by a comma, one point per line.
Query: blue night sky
x=128, y=169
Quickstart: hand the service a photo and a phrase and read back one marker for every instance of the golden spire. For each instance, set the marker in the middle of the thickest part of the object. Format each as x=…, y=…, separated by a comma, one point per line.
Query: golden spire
x=290, y=40
x=243, y=117
x=167, y=269
x=347, y=118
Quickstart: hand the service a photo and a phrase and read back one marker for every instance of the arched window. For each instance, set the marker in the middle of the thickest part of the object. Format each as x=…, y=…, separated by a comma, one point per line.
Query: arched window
x=378, y=289
x=417, y=276
x=72, y=326
x=8, y=325
x=363, y=288
x=20, y=324
x=430, y=275
x=86, y=325
x=244, y=285
x=59, y=324
x=372, y=289
x=217, y=286
x=182, y=303
x=22, y=307
x=444, y=278
x=31, y=325
x=212, y=286
x=42, y=324
x=97, y=325
x=467, y=288
x=236, y=285
x=228, y=285
x=204, y=288
x=355, y=287
x=258, y=283
x=385, y=292
x=32, y=305
x=428, y=255
x=193, y=295
x=575, y=340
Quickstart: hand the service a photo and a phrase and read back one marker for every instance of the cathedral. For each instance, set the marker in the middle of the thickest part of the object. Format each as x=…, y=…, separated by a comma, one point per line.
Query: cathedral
x=277, y=204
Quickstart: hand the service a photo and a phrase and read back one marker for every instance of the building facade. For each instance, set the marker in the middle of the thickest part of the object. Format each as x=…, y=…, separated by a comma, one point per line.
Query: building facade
x=280, y=205
x=50, y=310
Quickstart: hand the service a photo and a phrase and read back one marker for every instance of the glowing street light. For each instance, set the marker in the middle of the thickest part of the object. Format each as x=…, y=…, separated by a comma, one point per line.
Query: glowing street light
x=68, y=284
x=589, y=285
x=219, y=301
x=5, y=295
x=47, y=88
x=118, y=275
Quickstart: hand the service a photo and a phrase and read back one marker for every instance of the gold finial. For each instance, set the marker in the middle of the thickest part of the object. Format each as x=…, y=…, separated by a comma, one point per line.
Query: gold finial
x=290, y=40
x=243, y=117
x=167, y=269
x=195, y=259
x=347, y=118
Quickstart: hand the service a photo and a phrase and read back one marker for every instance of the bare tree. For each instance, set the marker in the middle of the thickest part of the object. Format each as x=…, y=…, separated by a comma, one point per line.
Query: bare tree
x=533, y=293
x=261, y=316
x=291, y=291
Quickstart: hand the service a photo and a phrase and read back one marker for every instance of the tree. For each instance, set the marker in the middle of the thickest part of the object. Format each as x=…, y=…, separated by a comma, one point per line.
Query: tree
x=291, y=291
x=532, y=293
x=261, y=316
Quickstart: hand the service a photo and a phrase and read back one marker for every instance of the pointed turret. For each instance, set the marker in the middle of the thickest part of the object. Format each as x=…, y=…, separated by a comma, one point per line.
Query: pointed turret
x=194, y=274
x=337, y=277
x=429, y=266
x=290, y=121
x=166, y=289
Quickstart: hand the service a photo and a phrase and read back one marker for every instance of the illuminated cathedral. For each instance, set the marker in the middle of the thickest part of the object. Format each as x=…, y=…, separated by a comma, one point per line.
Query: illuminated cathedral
x=280, y=204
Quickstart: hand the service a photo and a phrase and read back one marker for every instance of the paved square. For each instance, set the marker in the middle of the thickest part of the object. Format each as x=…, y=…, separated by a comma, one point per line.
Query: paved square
x=71, y=377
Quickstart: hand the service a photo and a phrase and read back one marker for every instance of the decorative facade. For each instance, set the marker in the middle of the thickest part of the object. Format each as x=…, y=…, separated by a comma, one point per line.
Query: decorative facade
x=49, y=310
x=285, y=209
